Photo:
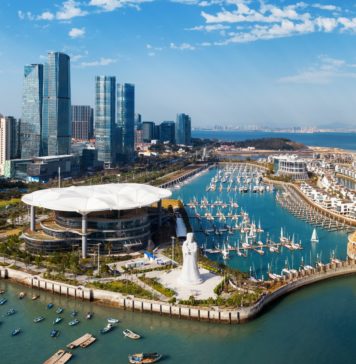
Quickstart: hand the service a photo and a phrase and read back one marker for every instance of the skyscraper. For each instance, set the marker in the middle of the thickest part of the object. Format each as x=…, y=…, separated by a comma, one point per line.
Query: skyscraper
x=31, y=119
x=183, y=129
x=167, y=132
x=8, y=134
x=126, y=121
x=56, y=120
x=105, y=127
x=82, y=122
x=148, y=131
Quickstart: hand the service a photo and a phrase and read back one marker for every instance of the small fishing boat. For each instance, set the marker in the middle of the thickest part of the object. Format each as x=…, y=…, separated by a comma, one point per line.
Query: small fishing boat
x=16, y=332
x=74, y=313
x=10, y=312
x=54, y=333
x=38, y=319
x=89, y=315
x=113, y=320
x=50, y=305
x=35, y=297
x=22, y=295
x=3, y=301
x=2, y=291
x=144, y=358
x=107, y=328
x=130, y=334
x=57, y=320
x=59, y=310
x=73, y=322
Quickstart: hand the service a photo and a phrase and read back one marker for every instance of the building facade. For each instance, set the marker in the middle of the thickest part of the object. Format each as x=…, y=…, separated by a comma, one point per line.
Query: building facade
x=148, y=131
x=105, y=127
x=8, y=135
x=82, y=122
x=126, y=122
x=290, y=166
x=31, y=117
x=167, y=132
x=56, y=118
x=183, y=130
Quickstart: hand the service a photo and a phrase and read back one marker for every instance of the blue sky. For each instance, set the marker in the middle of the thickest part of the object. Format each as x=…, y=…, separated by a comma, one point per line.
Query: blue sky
x=227, y=62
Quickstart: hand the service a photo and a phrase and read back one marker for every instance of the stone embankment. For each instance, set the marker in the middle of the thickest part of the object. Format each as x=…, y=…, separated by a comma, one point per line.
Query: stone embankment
x=211, y=314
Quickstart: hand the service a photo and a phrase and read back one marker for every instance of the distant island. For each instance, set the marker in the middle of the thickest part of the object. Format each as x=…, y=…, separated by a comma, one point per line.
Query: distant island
x=282, y=144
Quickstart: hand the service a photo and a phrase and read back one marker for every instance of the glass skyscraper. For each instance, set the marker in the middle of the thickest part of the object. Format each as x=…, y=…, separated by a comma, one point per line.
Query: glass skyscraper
x=105, y=127
x=31, y=119
x=167, y=132
x=82, y=122
x=126, y=121
x=183, y=129
x=56, y=118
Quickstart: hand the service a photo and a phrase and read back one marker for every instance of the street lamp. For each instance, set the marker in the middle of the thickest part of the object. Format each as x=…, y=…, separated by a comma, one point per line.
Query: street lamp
x=98, y=245
x=173, y=240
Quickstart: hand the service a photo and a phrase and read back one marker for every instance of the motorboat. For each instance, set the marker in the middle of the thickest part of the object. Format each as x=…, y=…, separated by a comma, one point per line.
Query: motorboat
x=54, y=333
x=314, y=238
x=113, y=320
x=3, y=301
x=130, y=334
x=57, y=320
x=22, y=295
x=16, y=332
x=144, y=358
x=50, y=305
x=38, y=319
x=89, y=315
x=73, y=322
x=10, y=312
x=107, y=328
x=35, y=297
x=59, y=310
x=74, y=313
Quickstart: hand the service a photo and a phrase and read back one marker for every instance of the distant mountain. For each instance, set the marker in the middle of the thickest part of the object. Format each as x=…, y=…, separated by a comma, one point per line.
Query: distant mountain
x=337, y=126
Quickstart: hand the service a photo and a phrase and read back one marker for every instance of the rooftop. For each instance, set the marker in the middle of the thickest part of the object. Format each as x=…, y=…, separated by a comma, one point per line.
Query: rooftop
x=86, y=199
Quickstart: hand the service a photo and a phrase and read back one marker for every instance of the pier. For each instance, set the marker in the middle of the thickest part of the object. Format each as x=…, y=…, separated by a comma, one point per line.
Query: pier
x=60, y=357
x=84, y=341
x=291, y=200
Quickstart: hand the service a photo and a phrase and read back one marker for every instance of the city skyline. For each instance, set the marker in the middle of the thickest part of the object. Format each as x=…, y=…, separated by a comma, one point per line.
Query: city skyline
x=278, y=63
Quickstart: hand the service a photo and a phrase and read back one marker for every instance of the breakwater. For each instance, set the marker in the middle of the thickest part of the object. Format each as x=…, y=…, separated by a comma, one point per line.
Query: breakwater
x=287, y=284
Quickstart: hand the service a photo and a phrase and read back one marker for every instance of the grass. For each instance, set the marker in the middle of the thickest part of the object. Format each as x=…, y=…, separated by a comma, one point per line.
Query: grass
x=153, y=282
x=13, y=201
x=124, y=287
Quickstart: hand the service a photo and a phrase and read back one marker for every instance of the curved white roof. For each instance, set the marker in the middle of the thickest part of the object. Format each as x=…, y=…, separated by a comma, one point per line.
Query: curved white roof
x=86, y=199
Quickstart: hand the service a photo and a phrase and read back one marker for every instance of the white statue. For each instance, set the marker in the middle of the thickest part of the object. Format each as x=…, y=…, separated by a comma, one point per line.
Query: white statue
x=190, y=271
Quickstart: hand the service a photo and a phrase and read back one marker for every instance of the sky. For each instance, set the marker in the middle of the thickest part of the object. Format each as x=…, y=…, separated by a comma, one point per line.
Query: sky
x=224, y=62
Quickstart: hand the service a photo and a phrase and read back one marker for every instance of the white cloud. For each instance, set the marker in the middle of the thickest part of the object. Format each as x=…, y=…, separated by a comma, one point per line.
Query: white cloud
x=327, y=7
x=70, y=9
x=182, y=47
x=46, y=15
x=210, y=27
x=323, y=72
x=110, y=5
x=101, y=62
x=77, y=32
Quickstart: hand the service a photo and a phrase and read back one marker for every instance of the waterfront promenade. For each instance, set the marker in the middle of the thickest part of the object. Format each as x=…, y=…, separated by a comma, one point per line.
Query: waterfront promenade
x=235, y=315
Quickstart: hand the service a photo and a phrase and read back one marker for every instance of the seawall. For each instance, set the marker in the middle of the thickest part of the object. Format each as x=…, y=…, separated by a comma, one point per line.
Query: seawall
x=211, y=314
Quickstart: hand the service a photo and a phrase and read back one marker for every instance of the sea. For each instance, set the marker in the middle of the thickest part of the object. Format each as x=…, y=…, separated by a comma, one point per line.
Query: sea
x=336, y=140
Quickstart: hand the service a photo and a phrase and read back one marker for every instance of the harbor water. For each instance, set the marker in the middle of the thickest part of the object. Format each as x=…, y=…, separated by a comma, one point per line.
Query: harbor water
x=316, y=324
x=261, y=207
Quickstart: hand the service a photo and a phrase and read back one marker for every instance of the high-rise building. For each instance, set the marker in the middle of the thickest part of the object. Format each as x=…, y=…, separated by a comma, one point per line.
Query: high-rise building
x=167, y=132
x=105, y=127
x=126, y=122
x=148, y=131
x=82, y=122
x=138, y=121
x=31, y=119
x=8, y=134
x=56, y=119
x=183, y=129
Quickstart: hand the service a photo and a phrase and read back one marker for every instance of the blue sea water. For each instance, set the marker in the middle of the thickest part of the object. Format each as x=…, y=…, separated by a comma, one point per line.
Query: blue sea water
x=336, y=140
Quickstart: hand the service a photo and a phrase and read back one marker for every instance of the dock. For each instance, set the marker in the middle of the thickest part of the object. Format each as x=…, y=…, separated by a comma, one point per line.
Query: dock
x=84, y=341
x=60, y=357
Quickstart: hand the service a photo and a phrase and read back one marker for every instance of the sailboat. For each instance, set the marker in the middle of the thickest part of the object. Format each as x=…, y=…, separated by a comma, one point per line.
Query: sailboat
x=314, y=237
